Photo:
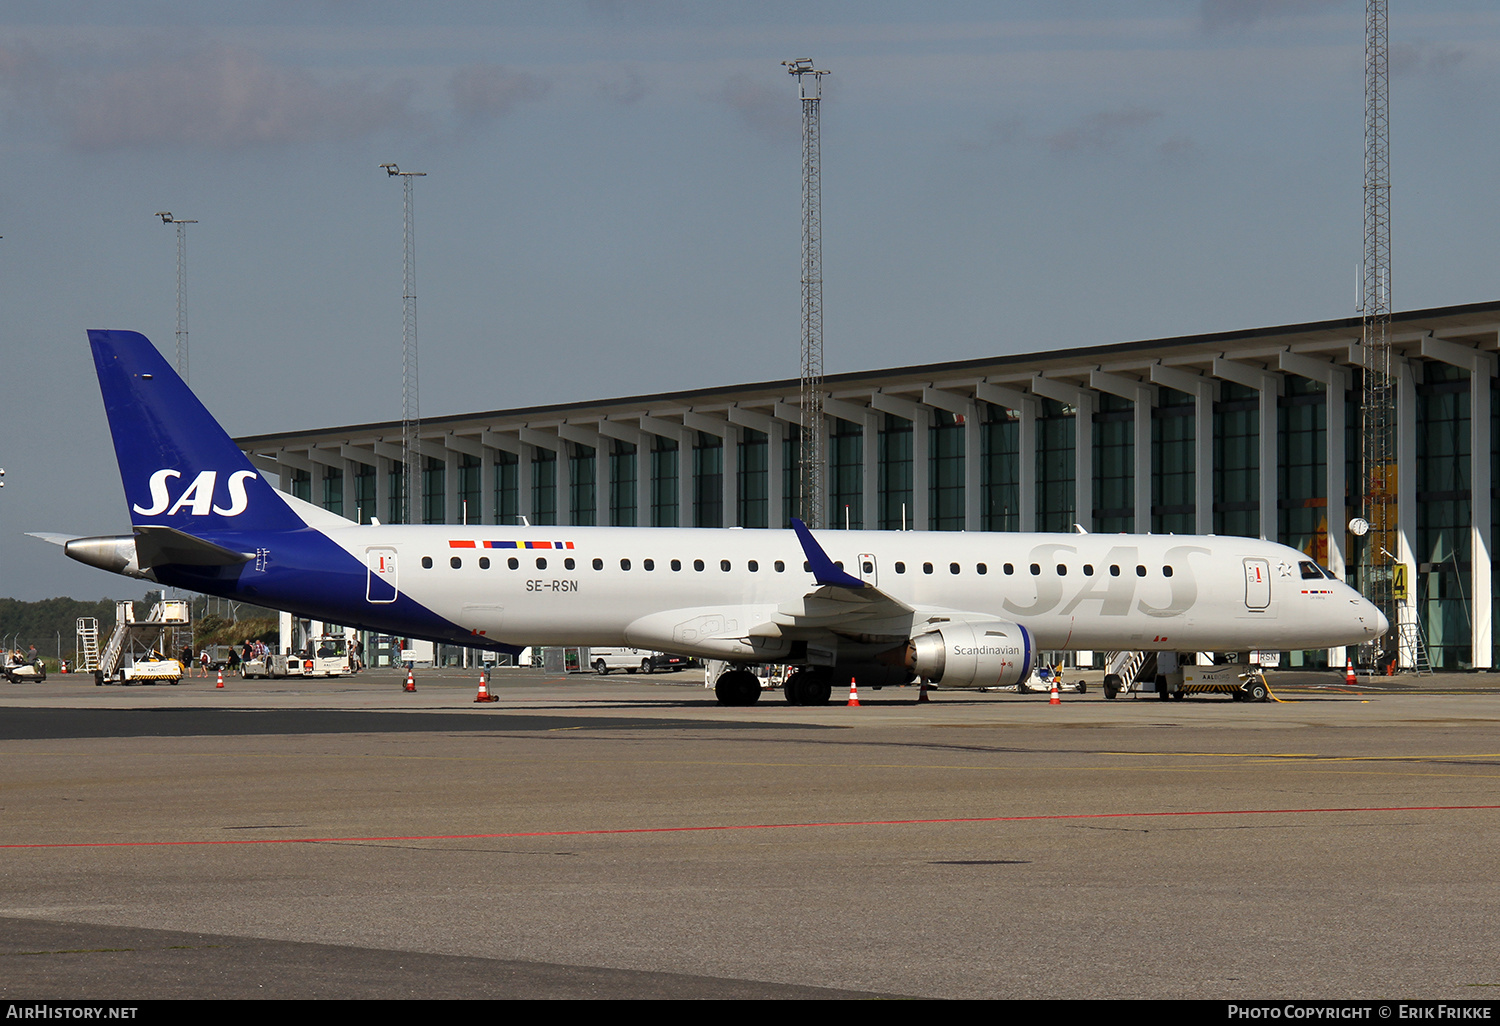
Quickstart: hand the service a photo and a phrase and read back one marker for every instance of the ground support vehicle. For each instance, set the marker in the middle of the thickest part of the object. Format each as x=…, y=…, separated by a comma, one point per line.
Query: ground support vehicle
x=1240, y=682
x=139, y=650
x=23, y=672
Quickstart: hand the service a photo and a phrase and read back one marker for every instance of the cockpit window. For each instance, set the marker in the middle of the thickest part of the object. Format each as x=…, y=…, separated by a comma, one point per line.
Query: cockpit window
x=1310, y=571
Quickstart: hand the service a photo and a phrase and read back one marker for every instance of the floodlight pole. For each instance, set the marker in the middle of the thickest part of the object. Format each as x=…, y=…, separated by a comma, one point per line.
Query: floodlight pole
x=182, y=331
x=411, y=419
x=810, y=478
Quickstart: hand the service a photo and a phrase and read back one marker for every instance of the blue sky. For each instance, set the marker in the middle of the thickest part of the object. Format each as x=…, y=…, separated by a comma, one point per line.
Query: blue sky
x=613, y=190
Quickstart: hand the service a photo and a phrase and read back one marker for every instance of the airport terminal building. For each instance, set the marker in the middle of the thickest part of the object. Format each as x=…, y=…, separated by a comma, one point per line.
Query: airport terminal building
x=1250, y=432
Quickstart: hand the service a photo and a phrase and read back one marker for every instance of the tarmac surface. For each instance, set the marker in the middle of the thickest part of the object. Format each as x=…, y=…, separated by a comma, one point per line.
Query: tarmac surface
x=626, y=837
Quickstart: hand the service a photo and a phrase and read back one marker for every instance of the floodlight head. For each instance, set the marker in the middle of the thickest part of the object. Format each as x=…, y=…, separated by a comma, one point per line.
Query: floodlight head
x=391, y=169
x=165, y=215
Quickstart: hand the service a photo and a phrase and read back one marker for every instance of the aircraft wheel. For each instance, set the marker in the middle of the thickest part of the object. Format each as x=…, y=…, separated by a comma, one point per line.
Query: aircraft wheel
x=818, y=692
x=793, y=690
x=1112, y=685
x=737, y=687
x=600, y=668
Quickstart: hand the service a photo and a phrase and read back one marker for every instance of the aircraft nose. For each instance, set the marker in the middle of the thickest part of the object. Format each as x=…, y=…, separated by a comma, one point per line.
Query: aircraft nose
x=1372, y=612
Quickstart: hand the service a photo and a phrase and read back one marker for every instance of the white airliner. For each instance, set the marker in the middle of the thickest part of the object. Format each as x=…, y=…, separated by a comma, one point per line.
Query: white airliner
x=882, y=607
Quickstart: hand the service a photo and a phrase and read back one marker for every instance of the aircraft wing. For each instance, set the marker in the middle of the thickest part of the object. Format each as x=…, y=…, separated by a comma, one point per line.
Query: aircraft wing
x=841, y=602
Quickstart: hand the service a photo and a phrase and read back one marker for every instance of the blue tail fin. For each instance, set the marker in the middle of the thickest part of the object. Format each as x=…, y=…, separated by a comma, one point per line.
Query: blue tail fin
x=179, y=467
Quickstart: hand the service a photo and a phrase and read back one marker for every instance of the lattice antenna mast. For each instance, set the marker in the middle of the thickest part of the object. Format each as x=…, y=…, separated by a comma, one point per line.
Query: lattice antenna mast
x=1379, y=398
x=411, y=417
x=182, y=330
x=811, y=475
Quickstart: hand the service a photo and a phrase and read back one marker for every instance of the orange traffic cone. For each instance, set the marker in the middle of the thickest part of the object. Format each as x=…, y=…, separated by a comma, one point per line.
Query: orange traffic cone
x=411, y=682
x=922, y=694
x=1054, y=700
x=853, y=702
x=1349, y=673
x=221, y=680
x=484, y=691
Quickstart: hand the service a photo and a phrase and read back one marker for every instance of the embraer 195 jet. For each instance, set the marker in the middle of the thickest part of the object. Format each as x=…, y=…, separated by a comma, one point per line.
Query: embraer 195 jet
x=882, y=607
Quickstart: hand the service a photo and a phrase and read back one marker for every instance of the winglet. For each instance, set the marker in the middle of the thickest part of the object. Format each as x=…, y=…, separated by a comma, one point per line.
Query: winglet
x=823, y=568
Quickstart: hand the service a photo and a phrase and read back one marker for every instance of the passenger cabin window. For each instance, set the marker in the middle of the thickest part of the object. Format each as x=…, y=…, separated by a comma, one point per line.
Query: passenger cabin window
x=1088, y=569
x=484, y=562
x=1036, y=570
x=724, y=565
x=541, y=562
x=455, y=562
x=1114, y=571
x=513, y=563
x=1166, y=571
x=754, y=566
x=676, y=565
x=900, y=568
x=598, y=564
x=1062, y=571
x=648, y=564
x=1009, y=568
x=624, y=564
x=698, y=565
x=927, y=568
x=1140, y=571
x=866, y=567
x=982, y=569
x=569, y=563
x=953, y=568
x=780, y=567
x=426, y=562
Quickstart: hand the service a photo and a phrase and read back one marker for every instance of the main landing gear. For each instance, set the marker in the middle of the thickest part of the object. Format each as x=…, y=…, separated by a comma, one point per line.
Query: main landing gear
x=737, y=687
x=808, y=687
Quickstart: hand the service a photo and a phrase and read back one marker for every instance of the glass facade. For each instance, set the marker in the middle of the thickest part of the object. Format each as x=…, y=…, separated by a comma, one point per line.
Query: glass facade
x=469, y=468
x=894, y=447
x=945, y=472
x=1173, y=459
x=622, y=471
x=396, y=506
x=1114, y=465
x=1237, y=461
x=543, y=486
x=663, y=482
x=1056, y=458
x=364, y=493
x=333, y=490
x=1000, y=468
x=1444, y=511
x=1302, y=468
x=434, y=475
x=708, y=480
x=583, y=503
x=846, y=474
x=507, y=487
x=301, y=484
x=754, y=478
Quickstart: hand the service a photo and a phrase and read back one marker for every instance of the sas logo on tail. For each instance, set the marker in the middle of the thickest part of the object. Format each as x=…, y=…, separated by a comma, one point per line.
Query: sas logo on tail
x=199, y=497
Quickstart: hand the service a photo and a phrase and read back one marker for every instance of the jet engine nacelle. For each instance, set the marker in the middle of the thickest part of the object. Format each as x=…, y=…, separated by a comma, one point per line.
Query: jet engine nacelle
x=983, y=654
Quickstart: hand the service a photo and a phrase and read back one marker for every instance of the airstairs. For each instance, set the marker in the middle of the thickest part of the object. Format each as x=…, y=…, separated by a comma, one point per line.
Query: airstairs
x=143, y=649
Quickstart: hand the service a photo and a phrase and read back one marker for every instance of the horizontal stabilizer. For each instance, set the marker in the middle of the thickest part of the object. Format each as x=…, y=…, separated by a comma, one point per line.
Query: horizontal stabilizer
x=52, y=537
x=167, y=546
